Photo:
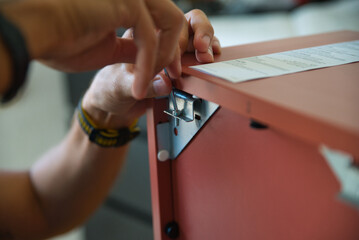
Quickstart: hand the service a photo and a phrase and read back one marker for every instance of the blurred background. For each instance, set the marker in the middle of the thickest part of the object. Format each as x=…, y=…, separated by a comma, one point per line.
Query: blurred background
x=41, y=116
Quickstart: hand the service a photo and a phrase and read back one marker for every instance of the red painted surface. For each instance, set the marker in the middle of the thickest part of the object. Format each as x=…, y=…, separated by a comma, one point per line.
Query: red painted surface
x=234, y=182
x=160, y=174
x=318, y=106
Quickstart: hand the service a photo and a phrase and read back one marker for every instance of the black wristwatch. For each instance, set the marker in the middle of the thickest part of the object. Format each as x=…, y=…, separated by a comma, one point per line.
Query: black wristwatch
x=20, y=58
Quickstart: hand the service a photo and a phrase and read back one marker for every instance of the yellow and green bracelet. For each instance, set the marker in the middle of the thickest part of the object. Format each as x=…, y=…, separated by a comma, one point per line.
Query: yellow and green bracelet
x=106, y=137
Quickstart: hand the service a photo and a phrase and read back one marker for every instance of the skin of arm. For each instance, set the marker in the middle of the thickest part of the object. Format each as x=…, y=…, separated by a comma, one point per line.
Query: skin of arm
x=69, y=182
x=60, y=190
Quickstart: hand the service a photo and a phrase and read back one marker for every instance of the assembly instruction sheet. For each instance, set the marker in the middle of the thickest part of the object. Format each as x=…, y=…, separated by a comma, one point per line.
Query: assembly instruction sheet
x=270, y=65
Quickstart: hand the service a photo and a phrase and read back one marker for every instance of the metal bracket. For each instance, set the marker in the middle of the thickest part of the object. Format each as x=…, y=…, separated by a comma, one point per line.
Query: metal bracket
x=346, y=172
x=187, y=115
x=181, y=105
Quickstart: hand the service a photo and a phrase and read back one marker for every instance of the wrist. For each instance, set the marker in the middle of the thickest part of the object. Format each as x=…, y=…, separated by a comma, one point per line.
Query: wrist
x=101, y=118
x=105, y=136
x=36, y=20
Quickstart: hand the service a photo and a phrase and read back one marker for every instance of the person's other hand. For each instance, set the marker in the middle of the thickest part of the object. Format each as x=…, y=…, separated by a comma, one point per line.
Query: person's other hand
x=110, y=100
x=197, y=36
x=79, y=35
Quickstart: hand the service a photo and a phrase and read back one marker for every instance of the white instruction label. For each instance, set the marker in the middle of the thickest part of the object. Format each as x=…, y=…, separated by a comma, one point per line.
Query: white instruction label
x=244, y=69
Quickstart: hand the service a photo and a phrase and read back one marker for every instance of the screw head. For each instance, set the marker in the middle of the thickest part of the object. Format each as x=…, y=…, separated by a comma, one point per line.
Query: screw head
x=163, y=155
x=172, y=230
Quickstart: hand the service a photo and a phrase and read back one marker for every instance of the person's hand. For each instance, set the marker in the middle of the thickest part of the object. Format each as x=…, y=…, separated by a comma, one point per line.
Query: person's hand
x=196, y=36
x=110, y=101
x=79, y=35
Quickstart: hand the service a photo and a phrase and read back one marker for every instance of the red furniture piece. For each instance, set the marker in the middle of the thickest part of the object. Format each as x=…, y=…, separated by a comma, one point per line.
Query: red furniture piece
x=237, y=182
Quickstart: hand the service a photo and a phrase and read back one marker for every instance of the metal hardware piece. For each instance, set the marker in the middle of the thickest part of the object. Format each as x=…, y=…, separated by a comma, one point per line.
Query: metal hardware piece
x=257, y=125
x=172, y=230
x=187, y=115
x=181, y=105
x=342, y=165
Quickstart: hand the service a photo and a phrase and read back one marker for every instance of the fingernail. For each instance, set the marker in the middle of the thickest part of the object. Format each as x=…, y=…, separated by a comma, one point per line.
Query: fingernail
x=210, y=51
x=207, y=40
x=216, y=43
x=217, y=46
x=159, y=87
x=179, y=68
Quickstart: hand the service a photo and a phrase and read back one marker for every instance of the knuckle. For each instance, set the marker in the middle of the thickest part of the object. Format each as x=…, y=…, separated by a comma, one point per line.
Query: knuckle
x=166, y=58
x=178, y=18
x=211, y=30
x=197, y=12
x=152, y=40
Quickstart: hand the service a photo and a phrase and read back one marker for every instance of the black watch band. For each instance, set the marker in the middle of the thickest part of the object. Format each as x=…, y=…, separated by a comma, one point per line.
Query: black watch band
x=15, y=44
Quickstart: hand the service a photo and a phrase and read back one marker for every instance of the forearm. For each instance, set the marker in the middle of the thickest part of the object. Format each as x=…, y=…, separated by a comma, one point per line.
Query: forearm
x=61, y=190
x=73, y=179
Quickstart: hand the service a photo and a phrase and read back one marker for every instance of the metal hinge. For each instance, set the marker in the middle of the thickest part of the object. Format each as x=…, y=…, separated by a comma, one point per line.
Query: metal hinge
x=187, y=115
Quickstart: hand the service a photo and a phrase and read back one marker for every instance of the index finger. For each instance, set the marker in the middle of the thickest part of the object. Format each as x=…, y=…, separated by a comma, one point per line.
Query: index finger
x=145, y=59
x=169, y=20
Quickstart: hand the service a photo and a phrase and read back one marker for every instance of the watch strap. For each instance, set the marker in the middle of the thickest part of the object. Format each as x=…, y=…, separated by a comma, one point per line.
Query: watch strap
x=15, y=43
x=106, y=137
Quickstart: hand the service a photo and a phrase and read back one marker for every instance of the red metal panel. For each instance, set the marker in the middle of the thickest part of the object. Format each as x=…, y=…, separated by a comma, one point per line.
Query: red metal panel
x=234, y=182
x=318, y=106
x=160, y=174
